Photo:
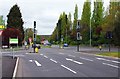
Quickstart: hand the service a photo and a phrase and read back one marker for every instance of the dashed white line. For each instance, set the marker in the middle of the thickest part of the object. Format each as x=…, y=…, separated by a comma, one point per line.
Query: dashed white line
x=107, y=60
x=115, y=61
x=30, y=60
x=45, y=56
x=61, y=53
x=71, y=55
x=69, y=69
x=38, y=64
x=41, y=54
x=86, y=59
x=111, y=65
x=19, y=55
x=73, y=61
x=53, y=60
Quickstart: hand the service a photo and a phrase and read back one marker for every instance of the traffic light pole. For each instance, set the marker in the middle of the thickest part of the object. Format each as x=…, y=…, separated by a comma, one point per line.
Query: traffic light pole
x=34, y=43
x=78, y=35
x=78, y=46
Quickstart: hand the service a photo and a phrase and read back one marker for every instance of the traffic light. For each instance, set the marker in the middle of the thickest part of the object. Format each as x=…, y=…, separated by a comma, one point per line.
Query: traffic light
x=34, y=24
x=78, y=35
x=109, y=35
x=66, y=18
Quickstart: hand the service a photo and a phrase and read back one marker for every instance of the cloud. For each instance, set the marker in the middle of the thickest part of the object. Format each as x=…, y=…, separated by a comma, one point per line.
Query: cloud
x=44, y=12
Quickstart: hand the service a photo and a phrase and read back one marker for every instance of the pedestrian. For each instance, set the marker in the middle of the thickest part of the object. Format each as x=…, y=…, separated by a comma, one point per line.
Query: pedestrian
x=100, y=47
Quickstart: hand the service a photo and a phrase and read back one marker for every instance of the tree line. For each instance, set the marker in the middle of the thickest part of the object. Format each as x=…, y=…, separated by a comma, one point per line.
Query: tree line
x=104, y=24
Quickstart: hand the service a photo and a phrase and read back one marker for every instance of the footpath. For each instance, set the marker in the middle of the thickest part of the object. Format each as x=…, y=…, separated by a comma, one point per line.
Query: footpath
x=8, y=65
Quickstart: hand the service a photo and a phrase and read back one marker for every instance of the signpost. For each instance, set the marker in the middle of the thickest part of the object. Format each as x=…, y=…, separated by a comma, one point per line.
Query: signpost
x=13, y=41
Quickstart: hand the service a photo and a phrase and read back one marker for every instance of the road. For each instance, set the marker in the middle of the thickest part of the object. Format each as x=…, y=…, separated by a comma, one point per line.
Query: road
x=55, y=62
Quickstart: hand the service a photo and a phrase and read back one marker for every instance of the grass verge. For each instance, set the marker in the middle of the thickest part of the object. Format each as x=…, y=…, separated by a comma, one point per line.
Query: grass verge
x=111, y=54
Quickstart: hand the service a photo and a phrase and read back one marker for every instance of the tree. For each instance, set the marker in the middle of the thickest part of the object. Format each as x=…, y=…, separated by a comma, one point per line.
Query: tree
x=110, y=17
x=116, y=31
x=38, y=39
x=28, y=33
x=96, y=22
x=85, y=20
x=75, y=17
x=10, y=33
x=109, y=24
x=73, y=33
x=15, y=20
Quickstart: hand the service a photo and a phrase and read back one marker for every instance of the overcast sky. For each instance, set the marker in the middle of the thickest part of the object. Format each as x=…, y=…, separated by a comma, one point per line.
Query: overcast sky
x=44, y=12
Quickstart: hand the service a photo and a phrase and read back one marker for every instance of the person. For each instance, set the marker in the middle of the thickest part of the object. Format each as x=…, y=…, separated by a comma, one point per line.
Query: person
x=100, y=47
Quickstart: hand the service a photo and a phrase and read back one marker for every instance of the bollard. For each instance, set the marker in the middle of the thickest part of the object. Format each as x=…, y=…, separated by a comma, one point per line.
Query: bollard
x=36, y=50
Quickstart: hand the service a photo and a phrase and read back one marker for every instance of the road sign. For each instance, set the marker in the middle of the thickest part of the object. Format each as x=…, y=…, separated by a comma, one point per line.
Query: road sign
x=13, y=40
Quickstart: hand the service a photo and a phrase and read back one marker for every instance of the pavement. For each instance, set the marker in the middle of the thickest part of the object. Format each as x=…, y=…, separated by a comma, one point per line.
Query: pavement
x=8, y=65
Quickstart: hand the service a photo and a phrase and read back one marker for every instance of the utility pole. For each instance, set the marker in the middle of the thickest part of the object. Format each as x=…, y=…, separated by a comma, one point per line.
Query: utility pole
x=34, y=43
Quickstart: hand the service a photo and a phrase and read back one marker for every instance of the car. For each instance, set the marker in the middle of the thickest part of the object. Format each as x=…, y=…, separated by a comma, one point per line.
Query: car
x=47, y=44
x=65, y=45
x=4, y=46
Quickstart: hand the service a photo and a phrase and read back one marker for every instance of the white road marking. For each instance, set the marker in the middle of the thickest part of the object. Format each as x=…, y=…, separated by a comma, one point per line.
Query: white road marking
x=107, y=60
x=71, y=55
x=69, y=69
x=111, y=65
x=30, y=60
x=86, y=59
x=53, y=60
x=38, y=64
x=61, y=53
x=73, y=61
x=19, y=55
x=15, y=70
x=41, y=54
x=45, y=56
